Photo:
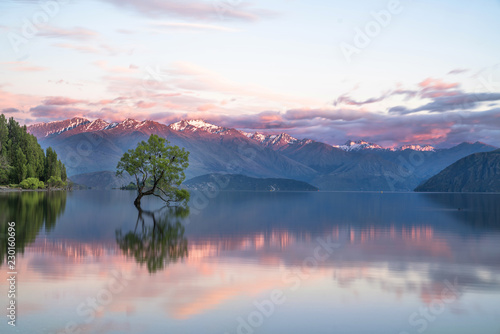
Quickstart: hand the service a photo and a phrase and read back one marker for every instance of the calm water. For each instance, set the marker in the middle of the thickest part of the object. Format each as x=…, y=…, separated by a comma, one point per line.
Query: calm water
x=320, y=262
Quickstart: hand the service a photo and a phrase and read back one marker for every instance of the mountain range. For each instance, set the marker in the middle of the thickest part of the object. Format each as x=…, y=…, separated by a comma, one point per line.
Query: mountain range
x=96, y=146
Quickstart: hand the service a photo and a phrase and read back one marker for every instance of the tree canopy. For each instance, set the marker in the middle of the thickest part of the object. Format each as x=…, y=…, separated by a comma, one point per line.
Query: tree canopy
x=158, y=169
x=21, y=156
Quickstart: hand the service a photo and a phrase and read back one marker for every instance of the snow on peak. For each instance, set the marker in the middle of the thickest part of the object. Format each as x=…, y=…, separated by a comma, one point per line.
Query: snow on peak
x=276, y=141
x=195, y=125
x=112, y=125
x=358, y=145
x=96, y=125
x=282, y=139
x=260, y=137
x=131, y=123
x=76, y=121
x=426, y=148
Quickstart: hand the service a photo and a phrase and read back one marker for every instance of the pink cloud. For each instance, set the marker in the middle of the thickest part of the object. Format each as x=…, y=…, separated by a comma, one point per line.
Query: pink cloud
x=61, y=101
x=23, y=66
x=433, y=135
x=80, y=48
x=103, y=102
x=30, y=68
x=438, y=84
x=145, y=105
x=171, y=105
x=206, y=107
x=56, y=112
x=17, y=101
x=118, y=114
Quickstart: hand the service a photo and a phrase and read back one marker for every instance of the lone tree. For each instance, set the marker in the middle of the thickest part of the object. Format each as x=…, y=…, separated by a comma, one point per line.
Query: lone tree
x=158, y=169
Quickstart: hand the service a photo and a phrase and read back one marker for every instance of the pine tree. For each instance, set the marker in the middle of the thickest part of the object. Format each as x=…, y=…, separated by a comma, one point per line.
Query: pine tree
x=63, y=171
x=21, y=169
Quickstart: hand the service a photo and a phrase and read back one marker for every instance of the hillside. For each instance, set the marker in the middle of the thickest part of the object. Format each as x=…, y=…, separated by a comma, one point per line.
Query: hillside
x=479, y=172
x=245, y=183
x=102, y=180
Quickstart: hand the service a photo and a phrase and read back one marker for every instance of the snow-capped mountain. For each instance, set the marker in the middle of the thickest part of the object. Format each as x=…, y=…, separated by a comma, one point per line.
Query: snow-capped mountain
x=130, y=123
x=275, y=141
x=41, y=130
x=425, y=148
x=96, y=125
x=358, y=145
x=194, y=125
x=82, y=125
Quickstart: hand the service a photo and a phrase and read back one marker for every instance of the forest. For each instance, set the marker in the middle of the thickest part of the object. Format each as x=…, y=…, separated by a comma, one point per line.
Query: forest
x=23, y=161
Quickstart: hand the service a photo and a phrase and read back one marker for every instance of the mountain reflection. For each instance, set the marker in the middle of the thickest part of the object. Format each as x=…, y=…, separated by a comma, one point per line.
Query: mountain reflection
x=30, y=211
x=477, y=210
x=158, y=241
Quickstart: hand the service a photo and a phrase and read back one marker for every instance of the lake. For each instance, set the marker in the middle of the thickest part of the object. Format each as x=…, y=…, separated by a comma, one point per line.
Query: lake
x=254, y=262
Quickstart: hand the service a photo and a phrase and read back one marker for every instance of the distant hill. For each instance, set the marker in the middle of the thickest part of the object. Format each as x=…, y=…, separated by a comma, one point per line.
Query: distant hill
x=245, y=183
x=102, y=180
x=479, y=172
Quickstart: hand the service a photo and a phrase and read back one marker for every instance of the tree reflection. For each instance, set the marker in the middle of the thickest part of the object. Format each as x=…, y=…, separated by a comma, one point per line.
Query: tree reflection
x=30, y=211
x=159, y=243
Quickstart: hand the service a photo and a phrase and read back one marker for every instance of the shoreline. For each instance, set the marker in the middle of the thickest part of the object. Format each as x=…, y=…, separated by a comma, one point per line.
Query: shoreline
x=6, y=189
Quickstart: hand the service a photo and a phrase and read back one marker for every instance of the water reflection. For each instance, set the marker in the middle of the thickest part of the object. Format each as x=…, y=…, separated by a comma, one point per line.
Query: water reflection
x=395, y=254
x=478, y=210
x=159, y=240
x=30, y=211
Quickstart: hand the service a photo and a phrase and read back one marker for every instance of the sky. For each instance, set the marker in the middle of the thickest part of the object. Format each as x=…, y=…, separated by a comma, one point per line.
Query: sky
x=391, y=72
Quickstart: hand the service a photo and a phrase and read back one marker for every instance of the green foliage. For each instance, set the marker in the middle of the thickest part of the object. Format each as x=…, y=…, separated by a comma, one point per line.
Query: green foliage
x=52, y=166
x=22, y=157
x=32, y=183
x=182, y=195
x=56, y=182
x=130, y=186
x=5, y=170
x=64, y=177
x=21, y=164
x=158, y=169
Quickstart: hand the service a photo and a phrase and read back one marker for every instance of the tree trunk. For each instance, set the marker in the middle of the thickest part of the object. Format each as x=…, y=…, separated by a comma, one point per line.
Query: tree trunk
x=137, y=201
